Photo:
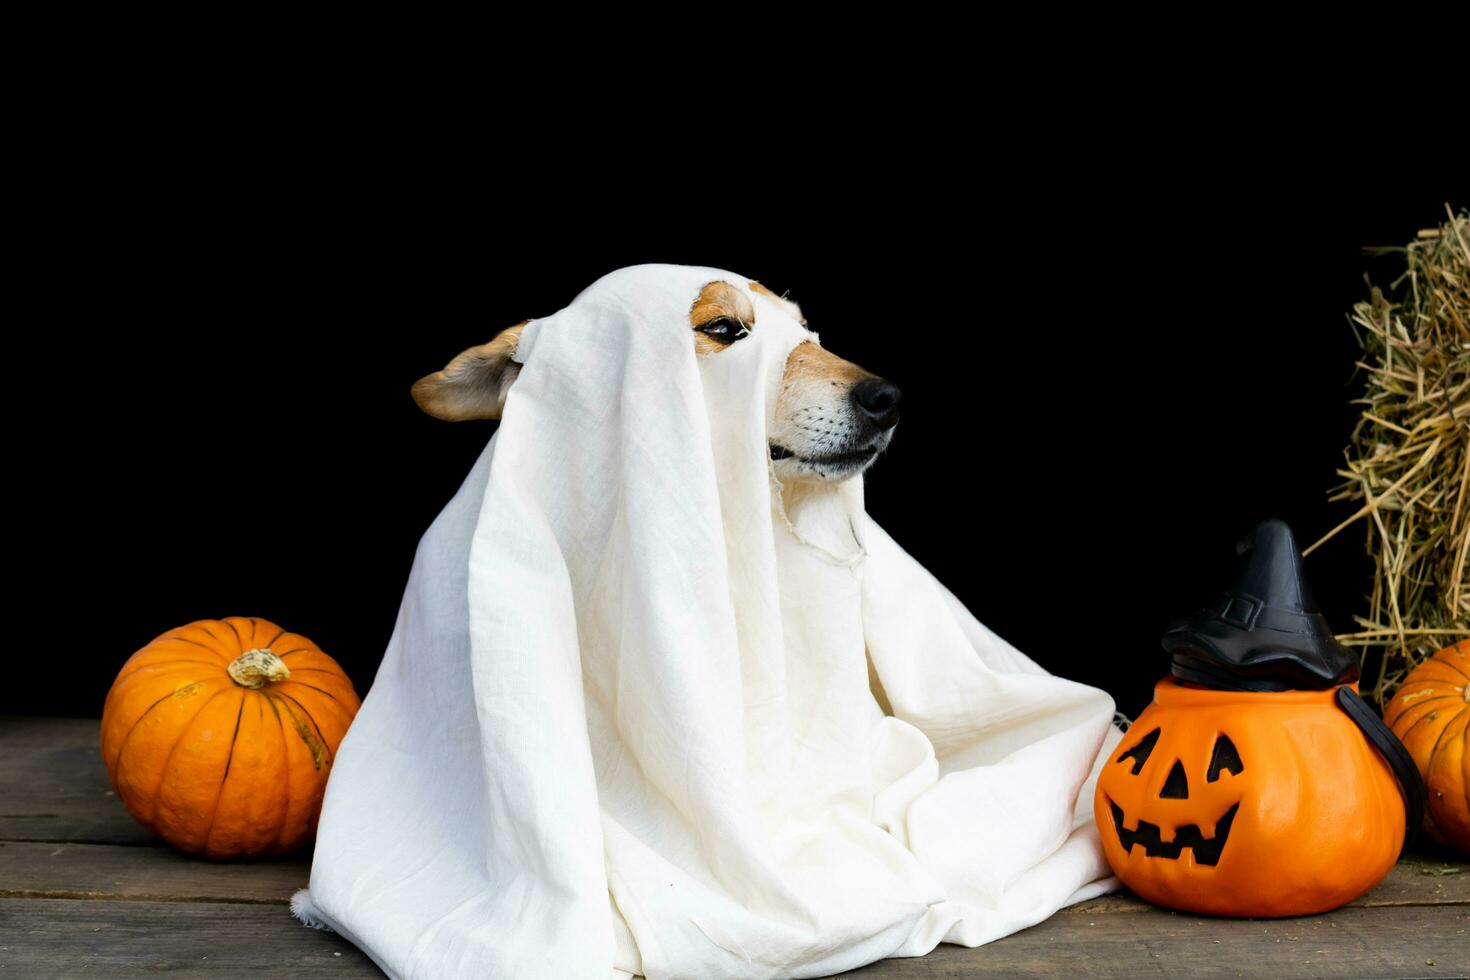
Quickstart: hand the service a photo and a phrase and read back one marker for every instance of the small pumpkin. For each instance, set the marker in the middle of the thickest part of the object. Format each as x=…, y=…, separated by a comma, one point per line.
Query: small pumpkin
x=1247, y=803
x=219, y=735
x=1430, y=713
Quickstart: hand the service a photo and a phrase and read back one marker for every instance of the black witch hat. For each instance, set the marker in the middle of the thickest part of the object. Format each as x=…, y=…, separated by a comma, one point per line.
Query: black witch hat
x=1265, y=633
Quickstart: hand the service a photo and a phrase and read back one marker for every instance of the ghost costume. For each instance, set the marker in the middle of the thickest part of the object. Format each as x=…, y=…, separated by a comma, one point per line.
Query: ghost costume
x=625, y=725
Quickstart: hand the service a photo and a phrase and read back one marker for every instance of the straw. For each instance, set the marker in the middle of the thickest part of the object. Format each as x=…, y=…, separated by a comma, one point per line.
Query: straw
x=1408, y=459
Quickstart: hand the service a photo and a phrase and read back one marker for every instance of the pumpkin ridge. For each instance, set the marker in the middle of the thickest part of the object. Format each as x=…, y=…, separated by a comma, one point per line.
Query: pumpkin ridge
x=1428, y=682
x=117, y=763
x=333, y=705
x=219, y=794
x=1405, y=706
x=1465, y=784
x=285, y=767
x=255, y=633
x=317, y=753
x=168, y=757
x=1426, y=716
x=245, y=643
x=142, y=676
x=324, y=691
x=1432, y=753
x=280, y=632
x=185, y=639
x=238, y=638
x=1430, y=673
x=1451, y=666
x=1464, y=729
x=159, y=663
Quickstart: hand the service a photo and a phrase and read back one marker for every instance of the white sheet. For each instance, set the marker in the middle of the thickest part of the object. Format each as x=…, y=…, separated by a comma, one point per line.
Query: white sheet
x=624, y=723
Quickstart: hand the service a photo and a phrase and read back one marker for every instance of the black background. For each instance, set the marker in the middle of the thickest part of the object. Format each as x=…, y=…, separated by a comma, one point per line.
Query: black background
x=1113, y=364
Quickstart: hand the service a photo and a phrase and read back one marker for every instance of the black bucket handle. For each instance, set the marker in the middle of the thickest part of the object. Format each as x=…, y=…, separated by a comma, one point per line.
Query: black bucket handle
x=1393, y=751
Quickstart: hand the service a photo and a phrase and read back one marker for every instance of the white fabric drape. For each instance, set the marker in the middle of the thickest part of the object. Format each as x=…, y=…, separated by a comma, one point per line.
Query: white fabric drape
x=624, y=722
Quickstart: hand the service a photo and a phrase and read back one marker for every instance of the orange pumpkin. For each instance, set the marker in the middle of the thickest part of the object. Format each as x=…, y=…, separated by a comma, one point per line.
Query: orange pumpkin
x=219, y=736
x=1248, y=803
x=1430, y=713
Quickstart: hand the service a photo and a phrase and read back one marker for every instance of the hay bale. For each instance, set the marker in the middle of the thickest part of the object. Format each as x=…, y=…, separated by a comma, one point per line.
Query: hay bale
x=1408, y=461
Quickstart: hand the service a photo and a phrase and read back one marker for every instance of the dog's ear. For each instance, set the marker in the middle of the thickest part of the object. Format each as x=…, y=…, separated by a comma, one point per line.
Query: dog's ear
x=475, y=383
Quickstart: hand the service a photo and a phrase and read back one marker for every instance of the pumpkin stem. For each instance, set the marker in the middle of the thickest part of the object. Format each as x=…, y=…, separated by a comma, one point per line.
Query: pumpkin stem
x=255, y=668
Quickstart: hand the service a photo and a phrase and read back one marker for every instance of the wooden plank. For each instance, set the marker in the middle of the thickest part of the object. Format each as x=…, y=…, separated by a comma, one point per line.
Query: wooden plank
x=63, y=870
x=59, y=937
x=54, y=797
x=54, y=787
x=73, y=937
x=1427, y=875
x=1388, y=941
x=50, y=770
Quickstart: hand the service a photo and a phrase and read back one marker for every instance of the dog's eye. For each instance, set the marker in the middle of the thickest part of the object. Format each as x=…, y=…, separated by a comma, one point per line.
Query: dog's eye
x=724, y=329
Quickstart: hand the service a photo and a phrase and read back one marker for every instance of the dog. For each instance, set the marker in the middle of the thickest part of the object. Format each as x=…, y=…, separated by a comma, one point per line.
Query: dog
x=833, y=418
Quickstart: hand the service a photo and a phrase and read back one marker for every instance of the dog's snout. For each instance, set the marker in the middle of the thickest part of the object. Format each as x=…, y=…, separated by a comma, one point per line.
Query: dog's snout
x=877, y=399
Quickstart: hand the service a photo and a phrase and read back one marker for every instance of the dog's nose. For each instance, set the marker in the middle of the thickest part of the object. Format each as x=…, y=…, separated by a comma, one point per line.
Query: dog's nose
x=878, y=400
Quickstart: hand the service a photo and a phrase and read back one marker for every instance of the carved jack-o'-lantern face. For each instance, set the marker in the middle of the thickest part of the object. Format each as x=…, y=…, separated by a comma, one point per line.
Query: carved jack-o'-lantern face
x=1224, y=758
x=1247, y=803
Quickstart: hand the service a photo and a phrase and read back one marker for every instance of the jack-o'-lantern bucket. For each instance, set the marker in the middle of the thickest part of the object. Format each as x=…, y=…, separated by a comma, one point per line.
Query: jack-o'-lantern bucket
x=1258, y=782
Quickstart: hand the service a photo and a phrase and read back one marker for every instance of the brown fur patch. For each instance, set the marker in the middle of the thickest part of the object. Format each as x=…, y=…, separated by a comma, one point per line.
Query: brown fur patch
x=809, y=362
x=473, y=385
x=790, y=305
x=717, y=299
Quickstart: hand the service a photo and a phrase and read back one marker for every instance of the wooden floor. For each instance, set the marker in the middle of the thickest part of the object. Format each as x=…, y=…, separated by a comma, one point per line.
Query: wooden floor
x=85, y=891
